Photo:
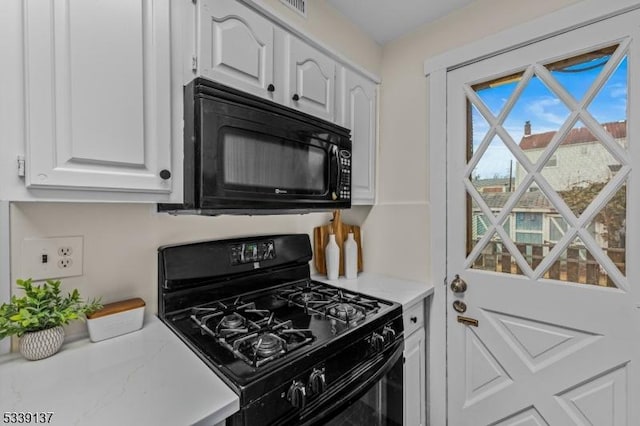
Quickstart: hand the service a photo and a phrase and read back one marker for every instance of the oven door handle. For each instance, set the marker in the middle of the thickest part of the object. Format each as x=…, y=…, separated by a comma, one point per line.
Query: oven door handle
x=320, y=415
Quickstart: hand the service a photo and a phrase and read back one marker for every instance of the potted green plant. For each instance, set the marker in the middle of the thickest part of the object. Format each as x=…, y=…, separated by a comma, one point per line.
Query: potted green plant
x=37, y=317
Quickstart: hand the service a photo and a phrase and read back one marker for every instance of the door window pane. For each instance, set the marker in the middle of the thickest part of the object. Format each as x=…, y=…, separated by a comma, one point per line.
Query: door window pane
x=609, y=229
x=586, y=165
x=577, y=74
x=610, y=104
x=572, y=160
x=495, y=257
x=577, y=264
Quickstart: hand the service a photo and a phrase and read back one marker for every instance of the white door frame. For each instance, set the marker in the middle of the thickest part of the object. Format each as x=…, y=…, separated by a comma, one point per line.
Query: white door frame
x=435, y=69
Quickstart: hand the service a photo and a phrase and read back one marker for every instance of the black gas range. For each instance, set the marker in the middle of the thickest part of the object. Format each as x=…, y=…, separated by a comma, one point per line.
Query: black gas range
x=296, y=351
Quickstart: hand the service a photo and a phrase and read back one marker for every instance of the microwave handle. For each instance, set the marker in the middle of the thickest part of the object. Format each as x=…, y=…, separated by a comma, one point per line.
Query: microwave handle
x=334, y=171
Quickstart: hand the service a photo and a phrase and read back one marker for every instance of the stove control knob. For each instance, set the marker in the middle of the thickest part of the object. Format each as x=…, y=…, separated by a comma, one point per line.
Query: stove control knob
x=389, y=334
x=377, y=342
x=297, y=394
x=317, y=382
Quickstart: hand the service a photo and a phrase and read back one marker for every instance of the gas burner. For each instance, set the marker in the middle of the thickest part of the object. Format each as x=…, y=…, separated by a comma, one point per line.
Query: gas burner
x=257, y=349
x=306, y=297
x=225, y=320
x=254, y=335
x=316, y=298
x=344, y=311
x=232, y=321
x=267, y=345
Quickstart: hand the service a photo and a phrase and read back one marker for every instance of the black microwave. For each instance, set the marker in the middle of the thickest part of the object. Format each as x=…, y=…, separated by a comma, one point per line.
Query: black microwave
x=247, y=155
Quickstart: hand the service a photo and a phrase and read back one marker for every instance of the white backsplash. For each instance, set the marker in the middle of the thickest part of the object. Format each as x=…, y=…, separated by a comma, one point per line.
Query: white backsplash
x=121, y=241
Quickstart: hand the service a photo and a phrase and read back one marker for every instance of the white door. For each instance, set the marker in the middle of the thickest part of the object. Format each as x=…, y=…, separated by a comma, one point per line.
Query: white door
x=542, y=227
x=98, y=104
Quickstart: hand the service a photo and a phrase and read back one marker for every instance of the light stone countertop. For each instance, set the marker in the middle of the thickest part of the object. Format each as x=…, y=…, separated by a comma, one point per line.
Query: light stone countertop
x=148, y=377
x=398, y=290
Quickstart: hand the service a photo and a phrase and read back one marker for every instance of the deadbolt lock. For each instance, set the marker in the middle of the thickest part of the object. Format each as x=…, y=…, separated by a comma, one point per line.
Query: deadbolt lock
x=459, y=306
x=458, y=285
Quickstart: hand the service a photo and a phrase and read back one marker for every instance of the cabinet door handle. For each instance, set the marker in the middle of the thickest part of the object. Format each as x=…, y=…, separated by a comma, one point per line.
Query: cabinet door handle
x=295, y=97
x=414, y=319
x=271, y=88
x=165, y=174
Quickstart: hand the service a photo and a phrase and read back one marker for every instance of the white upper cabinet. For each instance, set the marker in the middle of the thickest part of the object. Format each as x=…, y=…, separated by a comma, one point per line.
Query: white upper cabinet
x=97, y=87
x=358, y=113
x=312, y=77
x=236, y=47
x=241, y=48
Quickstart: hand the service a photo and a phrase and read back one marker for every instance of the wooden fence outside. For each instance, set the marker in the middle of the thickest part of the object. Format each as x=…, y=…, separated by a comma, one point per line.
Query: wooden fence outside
x=576, y=265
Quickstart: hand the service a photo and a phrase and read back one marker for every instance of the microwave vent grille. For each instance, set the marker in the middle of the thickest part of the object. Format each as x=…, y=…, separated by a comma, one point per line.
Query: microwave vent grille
x=299, y=6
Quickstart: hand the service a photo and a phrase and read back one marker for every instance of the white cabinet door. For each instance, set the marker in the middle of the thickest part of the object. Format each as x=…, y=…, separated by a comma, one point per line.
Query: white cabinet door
x=359, y=115
x=236, y=47
x=312, y=80
x=414, y=379
x=98, y=95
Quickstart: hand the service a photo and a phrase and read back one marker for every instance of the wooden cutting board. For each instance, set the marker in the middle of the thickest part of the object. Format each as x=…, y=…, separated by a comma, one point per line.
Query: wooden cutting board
x=321, y=238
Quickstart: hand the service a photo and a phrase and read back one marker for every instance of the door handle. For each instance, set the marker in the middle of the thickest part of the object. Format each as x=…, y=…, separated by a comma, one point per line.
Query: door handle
x=458, y=285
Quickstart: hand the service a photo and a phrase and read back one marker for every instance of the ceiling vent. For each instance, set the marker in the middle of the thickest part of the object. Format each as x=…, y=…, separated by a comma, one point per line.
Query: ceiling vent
x=299, y=6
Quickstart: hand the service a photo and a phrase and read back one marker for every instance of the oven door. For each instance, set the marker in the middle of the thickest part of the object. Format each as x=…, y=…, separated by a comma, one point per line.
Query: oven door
x=372, y=397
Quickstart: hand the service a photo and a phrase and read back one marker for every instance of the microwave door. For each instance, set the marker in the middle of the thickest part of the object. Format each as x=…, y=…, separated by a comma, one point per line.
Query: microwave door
x=269, y=166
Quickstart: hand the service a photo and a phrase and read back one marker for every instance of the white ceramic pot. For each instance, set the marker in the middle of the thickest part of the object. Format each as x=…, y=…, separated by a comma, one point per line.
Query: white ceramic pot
x=41, y=344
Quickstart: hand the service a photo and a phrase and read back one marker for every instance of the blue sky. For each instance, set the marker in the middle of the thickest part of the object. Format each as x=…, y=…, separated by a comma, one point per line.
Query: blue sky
x=545, y=110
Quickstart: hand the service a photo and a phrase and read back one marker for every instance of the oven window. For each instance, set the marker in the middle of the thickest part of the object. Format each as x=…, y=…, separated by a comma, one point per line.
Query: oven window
x=381, y=406
x=261, y=161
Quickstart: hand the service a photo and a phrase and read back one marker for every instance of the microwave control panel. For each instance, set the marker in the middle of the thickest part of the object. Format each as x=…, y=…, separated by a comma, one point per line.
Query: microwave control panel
x=345, y=175
x=252, y=252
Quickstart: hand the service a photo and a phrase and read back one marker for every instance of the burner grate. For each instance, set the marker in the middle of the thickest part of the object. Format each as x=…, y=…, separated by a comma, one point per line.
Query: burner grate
x=254, y=335
x=330, y=302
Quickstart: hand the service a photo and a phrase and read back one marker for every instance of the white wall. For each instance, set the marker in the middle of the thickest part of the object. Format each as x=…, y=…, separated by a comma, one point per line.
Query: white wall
x=398, y=227
x=328, y=26
x=121, y=241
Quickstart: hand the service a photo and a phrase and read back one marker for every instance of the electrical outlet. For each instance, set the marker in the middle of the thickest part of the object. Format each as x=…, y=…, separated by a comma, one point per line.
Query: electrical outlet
x=65, y=263
x=44, y=258
x=65, y=251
